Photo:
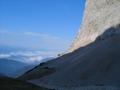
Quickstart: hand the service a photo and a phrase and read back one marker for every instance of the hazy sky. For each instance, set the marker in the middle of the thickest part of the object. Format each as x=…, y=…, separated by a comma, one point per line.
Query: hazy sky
x=40, y=24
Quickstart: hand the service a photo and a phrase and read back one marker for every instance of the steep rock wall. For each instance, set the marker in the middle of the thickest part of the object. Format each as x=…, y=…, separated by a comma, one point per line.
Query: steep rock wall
x=99, y=15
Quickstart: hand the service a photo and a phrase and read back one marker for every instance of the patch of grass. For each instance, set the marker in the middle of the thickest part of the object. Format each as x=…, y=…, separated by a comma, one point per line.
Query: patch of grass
x=37, y=72
x=14, y=84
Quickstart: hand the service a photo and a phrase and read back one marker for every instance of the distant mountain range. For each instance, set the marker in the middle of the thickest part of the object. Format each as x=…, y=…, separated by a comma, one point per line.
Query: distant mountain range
x=16, y=61
x=13, y=68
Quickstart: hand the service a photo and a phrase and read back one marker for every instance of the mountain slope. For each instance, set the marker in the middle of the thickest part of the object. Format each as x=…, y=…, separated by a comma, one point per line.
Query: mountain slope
x=37, y=72
x=93, y=65
x=13, y=84
x=99, y=66
x=13, y=68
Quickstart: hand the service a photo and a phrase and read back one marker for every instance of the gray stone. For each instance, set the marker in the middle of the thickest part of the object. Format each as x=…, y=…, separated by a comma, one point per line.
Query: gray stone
x=99, y=15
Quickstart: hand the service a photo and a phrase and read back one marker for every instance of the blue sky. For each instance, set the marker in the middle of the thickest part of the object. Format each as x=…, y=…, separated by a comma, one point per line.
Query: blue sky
x=40, y=24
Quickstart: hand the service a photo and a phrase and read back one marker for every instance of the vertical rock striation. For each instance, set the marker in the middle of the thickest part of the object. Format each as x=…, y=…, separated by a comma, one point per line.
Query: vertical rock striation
x=99, y=15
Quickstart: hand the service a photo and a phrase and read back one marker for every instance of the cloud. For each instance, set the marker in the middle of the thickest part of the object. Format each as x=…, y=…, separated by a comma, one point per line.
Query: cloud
x=30, y=57
x=7, y=32
x=31, y=39
x=4, y=32
x=42, y=35
x=4, y=56
x=32, y=34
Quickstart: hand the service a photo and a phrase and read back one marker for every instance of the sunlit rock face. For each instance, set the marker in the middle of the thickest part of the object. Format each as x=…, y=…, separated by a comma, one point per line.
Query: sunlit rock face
x=99, y=15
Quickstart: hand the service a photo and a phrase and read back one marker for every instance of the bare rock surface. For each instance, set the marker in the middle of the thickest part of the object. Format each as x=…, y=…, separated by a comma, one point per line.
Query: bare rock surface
x=98, y=16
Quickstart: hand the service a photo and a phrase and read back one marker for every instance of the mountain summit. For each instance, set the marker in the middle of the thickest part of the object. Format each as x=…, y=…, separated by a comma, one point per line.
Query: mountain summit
x=99, y=15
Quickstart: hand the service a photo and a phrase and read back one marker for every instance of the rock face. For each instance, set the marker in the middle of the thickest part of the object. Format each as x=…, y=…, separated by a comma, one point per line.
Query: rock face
x=99, y=15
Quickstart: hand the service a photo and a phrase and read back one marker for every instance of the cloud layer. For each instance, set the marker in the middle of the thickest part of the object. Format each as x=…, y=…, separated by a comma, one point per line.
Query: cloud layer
x=27, y=56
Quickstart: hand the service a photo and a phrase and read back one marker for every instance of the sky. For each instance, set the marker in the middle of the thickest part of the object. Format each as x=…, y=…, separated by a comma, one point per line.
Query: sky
x=40, y=24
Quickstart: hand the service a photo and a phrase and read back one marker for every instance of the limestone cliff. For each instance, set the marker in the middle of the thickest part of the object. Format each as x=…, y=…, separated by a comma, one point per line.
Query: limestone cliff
x=99, y=15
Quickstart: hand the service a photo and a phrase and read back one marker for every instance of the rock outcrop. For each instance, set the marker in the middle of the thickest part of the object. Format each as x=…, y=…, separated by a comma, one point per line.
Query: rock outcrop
x=99, y=15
